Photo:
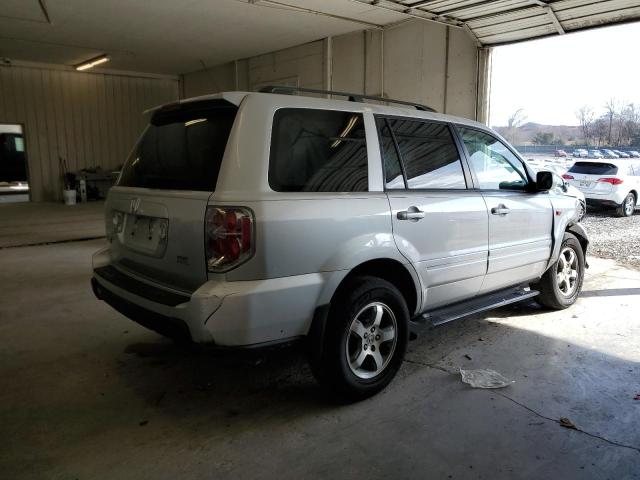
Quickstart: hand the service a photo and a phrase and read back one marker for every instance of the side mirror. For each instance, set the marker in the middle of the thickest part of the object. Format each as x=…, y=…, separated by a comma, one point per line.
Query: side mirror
x=544, y=181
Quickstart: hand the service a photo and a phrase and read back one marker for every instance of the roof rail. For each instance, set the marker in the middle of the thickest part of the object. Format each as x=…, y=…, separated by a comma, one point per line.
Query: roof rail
x=353, y=97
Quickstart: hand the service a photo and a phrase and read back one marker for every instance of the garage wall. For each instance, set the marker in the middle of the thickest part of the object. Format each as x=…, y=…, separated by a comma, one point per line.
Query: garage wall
x=418, y=61
x=220, y=78
x=90, y=119
x=303, y=66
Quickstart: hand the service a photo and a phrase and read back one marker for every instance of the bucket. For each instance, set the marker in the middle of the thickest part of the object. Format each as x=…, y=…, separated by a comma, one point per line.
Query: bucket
x=69, y=197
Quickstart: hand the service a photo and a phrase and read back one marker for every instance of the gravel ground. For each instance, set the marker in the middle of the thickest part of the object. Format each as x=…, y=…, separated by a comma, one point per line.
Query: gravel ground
x=614, y=237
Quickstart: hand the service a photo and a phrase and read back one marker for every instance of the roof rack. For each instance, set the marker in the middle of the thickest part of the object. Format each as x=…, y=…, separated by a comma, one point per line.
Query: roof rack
x=353, y=97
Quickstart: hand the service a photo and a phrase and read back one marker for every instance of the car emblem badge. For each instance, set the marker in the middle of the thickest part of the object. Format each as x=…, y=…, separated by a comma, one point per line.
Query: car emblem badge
x=134, y=205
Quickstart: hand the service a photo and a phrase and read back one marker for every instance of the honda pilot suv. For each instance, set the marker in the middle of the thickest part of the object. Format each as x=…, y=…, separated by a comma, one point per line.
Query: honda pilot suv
x=255, y=219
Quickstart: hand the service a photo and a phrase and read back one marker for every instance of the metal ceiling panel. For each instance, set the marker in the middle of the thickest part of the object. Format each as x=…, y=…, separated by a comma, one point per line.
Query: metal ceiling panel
x=497, y=22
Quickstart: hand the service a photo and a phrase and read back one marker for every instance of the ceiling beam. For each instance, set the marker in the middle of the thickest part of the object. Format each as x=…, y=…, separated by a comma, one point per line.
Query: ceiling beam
x=552, y=15
x=45, y=11
x=554, y=20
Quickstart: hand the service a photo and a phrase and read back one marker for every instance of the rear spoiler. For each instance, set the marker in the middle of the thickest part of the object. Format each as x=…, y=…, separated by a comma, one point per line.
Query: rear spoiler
x=231, y=97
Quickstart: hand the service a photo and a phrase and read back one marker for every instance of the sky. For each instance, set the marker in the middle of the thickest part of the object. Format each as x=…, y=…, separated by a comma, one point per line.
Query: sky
x=553, y=77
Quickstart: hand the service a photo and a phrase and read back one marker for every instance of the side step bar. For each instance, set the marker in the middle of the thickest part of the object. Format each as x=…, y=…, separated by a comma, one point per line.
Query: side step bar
x=469, y=307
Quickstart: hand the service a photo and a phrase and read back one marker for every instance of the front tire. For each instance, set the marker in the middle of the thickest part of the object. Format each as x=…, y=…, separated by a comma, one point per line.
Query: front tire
x=365, y=339
x=627, y=207
x=562, y=283
x=582, y=211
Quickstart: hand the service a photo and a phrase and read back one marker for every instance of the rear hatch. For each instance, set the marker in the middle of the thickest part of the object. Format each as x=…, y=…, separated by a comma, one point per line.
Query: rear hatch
x=155, y=213
x=588, y=176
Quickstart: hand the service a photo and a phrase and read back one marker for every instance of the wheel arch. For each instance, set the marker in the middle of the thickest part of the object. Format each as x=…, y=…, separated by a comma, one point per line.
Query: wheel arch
x=581, y=234
x=402, y=276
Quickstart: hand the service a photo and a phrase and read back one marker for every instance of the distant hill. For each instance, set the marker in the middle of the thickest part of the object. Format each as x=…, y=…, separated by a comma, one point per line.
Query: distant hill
x=524, y=135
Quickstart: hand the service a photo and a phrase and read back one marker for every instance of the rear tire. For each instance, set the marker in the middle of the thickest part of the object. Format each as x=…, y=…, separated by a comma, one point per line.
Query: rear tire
x=562, y=283
x=365, y=339
x=627, y=207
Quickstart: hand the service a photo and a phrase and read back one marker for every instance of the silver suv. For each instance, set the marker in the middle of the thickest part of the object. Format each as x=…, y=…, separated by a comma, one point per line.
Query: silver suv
x=254, y=219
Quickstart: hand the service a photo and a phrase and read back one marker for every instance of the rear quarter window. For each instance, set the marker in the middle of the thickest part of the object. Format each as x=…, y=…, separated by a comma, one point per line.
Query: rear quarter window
x=594, y=168
x=318, y=151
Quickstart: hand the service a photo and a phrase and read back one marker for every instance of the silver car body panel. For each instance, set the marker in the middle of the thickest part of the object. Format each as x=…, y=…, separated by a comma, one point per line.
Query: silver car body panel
x=519, y=241
x=448, y=247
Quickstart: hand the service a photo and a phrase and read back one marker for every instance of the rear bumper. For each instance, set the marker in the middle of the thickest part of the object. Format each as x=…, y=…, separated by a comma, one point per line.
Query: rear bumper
x=610, y=199
x=168, y=326
x=598, y=202
x=230, y=314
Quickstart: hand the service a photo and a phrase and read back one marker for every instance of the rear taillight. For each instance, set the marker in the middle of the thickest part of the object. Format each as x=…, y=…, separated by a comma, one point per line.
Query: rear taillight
x=229, y=238
x=114, y=225
x=566, y=176
x=612, y=181
x=117, y=218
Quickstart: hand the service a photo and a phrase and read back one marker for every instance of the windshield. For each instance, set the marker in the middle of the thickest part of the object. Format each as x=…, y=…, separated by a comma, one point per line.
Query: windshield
x=594, y=168
x=182, y=148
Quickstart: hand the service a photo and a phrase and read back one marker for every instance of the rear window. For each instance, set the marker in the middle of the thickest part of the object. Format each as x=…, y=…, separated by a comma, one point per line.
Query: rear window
x=182, y=148
x=318, y=151
x=594, y=168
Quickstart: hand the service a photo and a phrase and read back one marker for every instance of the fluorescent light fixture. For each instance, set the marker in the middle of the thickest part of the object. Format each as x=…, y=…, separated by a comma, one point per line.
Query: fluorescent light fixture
x=93, y=62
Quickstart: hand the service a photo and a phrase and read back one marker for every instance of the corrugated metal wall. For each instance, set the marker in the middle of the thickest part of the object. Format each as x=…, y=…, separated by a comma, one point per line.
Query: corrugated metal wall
x=91, y=119
x=417, y=61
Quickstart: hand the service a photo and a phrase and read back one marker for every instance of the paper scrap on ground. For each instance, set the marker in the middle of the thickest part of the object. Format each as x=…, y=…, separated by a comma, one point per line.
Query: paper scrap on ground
x=484, y=378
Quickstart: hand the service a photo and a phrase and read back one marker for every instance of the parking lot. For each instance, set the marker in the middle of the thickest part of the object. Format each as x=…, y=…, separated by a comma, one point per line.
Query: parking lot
x=614, y=237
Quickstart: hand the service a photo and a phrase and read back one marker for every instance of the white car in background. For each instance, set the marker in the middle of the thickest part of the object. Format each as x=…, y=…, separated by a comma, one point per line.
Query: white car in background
x=611, y=183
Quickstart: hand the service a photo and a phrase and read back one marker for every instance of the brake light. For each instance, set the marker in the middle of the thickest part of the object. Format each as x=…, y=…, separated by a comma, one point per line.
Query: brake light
x=228, y=237
x=612, y=181
x=566, y=176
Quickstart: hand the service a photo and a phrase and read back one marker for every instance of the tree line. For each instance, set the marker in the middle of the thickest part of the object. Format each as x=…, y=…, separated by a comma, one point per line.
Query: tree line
x=618, y=126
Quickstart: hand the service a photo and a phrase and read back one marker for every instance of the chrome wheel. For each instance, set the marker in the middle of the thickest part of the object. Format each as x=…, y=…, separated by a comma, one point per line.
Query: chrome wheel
x=629, y=205
x=567, y=272
x=372, y=340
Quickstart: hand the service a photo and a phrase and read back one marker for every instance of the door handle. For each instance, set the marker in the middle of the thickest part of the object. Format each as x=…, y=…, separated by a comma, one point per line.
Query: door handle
x=500, y=210
x=412, y=213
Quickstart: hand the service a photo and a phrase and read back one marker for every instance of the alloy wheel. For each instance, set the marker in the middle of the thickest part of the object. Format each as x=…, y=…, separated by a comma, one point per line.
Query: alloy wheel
x=629, y=205
x=567, y=272
x=372, y=340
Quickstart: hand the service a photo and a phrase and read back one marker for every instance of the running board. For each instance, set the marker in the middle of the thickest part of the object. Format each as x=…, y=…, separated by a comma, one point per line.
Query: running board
x=469, y=307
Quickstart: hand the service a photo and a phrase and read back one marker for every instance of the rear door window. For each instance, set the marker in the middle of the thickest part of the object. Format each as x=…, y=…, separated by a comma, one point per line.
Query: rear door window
x=318, y=151
x=182, y=148
x=594, y=168
x=428, y=154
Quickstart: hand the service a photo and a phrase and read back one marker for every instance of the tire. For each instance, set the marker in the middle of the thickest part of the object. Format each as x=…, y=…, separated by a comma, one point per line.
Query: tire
x=358, y=358
x=582, y=211
x=559, y=292
x=627, y=207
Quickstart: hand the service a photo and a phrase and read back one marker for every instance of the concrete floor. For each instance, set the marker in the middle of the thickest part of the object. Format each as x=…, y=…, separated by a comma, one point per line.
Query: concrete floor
x=89, y=394
x=41, y=222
